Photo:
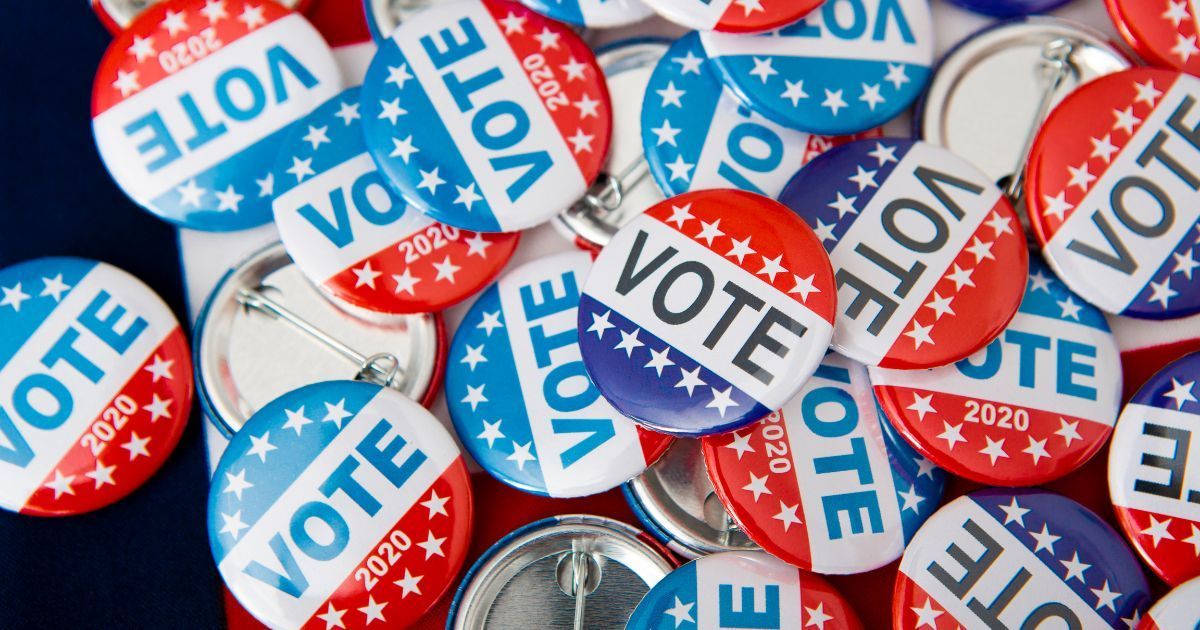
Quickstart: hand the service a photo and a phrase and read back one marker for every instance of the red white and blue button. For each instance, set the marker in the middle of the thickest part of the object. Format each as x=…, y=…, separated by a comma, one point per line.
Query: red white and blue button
x=733, y=16
x=929, y=255
x=519, y=395
x=1114, y=195
x=486, y=115
x=338, y=505
x=1164, y=33
x=1151, y=471
x=826, y=484
x=707, y=312
x=850, y=66
x=193, y=101
x=1032, y=406
x=592, y=13
x=355, y=238
x=697, y=135
x=1009, y=8
x=1018, y=559
x=98, y=376
x=1176, y=609
x=742, y=589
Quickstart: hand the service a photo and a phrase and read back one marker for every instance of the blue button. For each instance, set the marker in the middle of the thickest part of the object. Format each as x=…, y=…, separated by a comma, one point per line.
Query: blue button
x=1009, y=8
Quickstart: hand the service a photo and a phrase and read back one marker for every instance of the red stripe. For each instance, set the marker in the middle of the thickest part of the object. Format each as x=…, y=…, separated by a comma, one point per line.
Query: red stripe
x=1175, y=561
x=1147, y=30
x=908, y=595
x=816, y=593
x=654, y=444
x=773, y=14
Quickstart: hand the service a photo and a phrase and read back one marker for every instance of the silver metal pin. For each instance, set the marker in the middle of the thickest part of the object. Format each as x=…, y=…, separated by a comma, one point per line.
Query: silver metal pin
x=1056, y=56
x=579, y=578
x=609, y=191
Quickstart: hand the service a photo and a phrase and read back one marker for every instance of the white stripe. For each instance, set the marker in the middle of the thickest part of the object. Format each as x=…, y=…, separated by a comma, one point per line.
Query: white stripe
x=605, y=12
x=621, y=456
x=543, y=134
x=129, y=167
x=1004, y=387
x=89, y=398
x=321, y=258
x=1126, y=468
x=1042, y=587
x=790, y=371
x=699, y=14
x=364, y=531
x=1177, y=609
x=1108, y=288
x=868, y=228
x=745, y=570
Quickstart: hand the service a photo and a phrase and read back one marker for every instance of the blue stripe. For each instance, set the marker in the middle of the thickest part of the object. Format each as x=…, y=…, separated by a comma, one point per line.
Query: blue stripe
x=19, y=326
x=1184, y=370
x=702, y=93
x=902, y=460
x=345, y=142
x=1187, y=302
x=1050, y=303
x=652, y=612
x=563, y=10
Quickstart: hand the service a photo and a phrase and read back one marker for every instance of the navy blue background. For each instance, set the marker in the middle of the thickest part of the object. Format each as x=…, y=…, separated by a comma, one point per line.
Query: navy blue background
x=143, y=562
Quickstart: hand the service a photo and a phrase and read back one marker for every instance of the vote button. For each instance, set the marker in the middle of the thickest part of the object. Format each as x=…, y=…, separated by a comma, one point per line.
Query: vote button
x=1163, y=33
x=593, y=13
x=707, y=312
x=1176, y=609
x=733, y=16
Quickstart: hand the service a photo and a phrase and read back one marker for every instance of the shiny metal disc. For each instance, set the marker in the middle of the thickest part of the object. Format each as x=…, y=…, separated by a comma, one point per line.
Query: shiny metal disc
x=388, y=14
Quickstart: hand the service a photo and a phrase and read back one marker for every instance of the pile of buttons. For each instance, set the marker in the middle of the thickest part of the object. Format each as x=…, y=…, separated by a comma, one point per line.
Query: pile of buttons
x=782, y=322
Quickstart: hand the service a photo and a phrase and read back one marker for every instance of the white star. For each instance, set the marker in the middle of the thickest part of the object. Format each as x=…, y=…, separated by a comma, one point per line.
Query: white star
x=1039, y=281
x=952, y=435
x=1185, y=47
x=491, y=433
x=143, y=48
x=749, y=6
x=332, y=617
x=408, y=584
x=317, y=136
x=961, y=277
x=804, y=286
x=366, y=276
x=1103, y=148
x=911, y=499
x=574, y=70
x=1036, y=449
x=1184, y=264
x=477, y=245
x=391, y=110
x=691, y=380
x=740, y=443
x=1045, y=540
x=741, y=249
x=474, y=396
x=1194, y=540
x=474, y=356
x=994, y=450
x=300, y=168
x=883, y=154
x=709, y=231
x=925, y=467
x=102, y=474
x=1125, y=120
x=1157, y=530
x=1162, y=292
x=190, y=194
x=61, y=484
x=266, y=185
x=1013, y=512
x=588, y=107
x=296, y=420
x=787, y=515
x=629, y=342
x=547, y=39
x=403, y=148
x=940, y=305
x=922, y=405
x=491, y=321
x=1181, y=393
x=513, y=23
x=689, y=63
x=1056, y=206
x=348, y=112
x=896, y=75
x=600, y=324
x=158, y=408
x=261, y=445
x=666, y=134
x=13, y=296
x=757, y=485
x=721, y=400
x=1075, y=568
x=581, y=142
x=1070, y=308
x=763, y=69
x=844, y=205
x=1133, y=621
x=834, y=101
x=405, y=282
x=1176, y=12
x=214, y=10
x=671, y=95
x=55, y=287
x=680, y=214
x=252, y=17
x=871, y=96
x=228, y=199
x=1105, y=598
x=864, y=178
x=467, y=196
x=659, y=360
x=1081, y=177
x=980, y=250
x=920, y=335
x=794, y=92
x=817, y=616
x=521, y=454
x=680, y=169
x=174, y=22
x=136, y=446
x=999, y=224
x=926, y=615
x=680, y=612
x=771, y=267
x=432, y=546
x=373, y=611
x=436, y=504
x=825, y=231
x=430, y=180
x=336, y=413
x=1068, y=431
x=232, y=524
x=398, y=75
x=236, y=484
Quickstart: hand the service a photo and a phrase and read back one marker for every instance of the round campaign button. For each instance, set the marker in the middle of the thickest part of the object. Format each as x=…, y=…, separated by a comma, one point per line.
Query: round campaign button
x=848, y=67
x=355, y=238
x=1112, y=193
x=707, y=312
x=1032, y=406
x=826, y=484
x=929, y=254
x=1157, y=502
x=358, y=516
x=1163, y=33
x=519, y=395
x=715, y=141
x=1018, y=559
x=1176, y=609
x=192, y=102
x=593, y=13
x=383, y=16
x=116, y=15
x=733, y=16
x=742, y=589
x=97, y=385
x=487, y=115
x=1009, y=8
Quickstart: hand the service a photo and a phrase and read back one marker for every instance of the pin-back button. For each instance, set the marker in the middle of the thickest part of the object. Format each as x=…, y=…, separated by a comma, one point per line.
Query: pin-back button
x=624, y=189
x=1009, y=8
x=1113, y=194
x=383, y=16
x=850, y=66
x=192, y=102
x=743, y=589
x=1032, y=406
x=592, y=13
x=707, y=312
x=356, y=239
x=982, y=105
x=733, y=16
x=1176, y=609
x=1018, y=558
x=575, y=571
x=1156, y=502
x=826, y=484
x=116, y=15
x=715, y=141
x=266, y=330
x=929, y=255
x=520, y=398
x=97, y=385
x=363, y=515
x=1163, y=33
x=506, y=149
x=676, y=502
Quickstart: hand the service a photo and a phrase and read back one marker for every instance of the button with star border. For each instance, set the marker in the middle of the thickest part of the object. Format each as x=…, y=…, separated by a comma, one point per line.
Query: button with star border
x=520, y=398
x=742, y=589
x=826, y=483
x=97, y=378
x=1032, y=406
x=1163, y=33
x=715, y=141
x=828, y=75
x=1114, y=194
x=486, y=115
x=1017, y=558
x=1009, y=8
x=361, y=516
x=733, y=16
x=1176, y=609
x=592, y=13
x=192, y=102
x=929, y=254
x=116, y=15
x=355, y=238
x=707, y=312
x=1157, y=503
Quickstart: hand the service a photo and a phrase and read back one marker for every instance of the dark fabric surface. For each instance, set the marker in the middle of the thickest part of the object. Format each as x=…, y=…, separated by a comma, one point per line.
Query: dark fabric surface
x=143, y=562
